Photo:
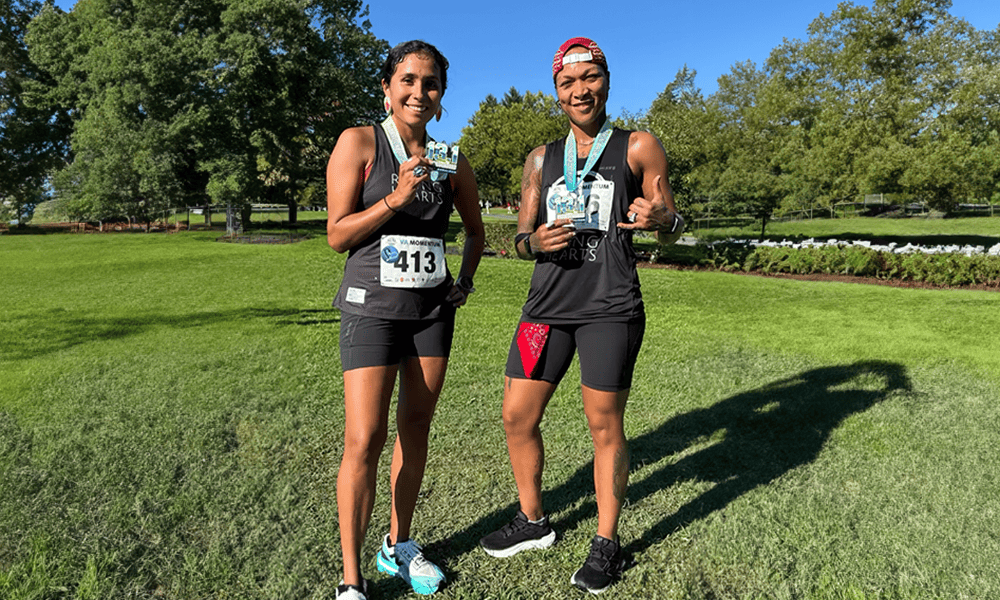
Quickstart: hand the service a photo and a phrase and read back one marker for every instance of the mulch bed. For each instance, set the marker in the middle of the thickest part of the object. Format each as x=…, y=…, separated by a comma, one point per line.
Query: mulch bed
x=263, y=238
x=72, y=227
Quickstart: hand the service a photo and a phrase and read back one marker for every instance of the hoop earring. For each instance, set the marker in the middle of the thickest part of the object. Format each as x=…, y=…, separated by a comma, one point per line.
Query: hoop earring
x=437, y=117
x=388, y=106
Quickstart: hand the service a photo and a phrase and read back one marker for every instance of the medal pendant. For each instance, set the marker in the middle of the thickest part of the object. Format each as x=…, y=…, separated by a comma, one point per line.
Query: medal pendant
x=571, y=206
x=444, y=158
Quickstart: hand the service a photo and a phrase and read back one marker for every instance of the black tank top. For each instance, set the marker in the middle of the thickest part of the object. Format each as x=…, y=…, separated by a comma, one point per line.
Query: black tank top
x=361, y=291
x=594, y=279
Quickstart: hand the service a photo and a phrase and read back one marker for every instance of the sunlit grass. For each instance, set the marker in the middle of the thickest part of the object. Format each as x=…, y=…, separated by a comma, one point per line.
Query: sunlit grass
x=171, y=422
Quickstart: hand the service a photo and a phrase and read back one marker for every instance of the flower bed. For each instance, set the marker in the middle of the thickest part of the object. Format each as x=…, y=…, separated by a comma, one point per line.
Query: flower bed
x=939, y=266
x=894, y=248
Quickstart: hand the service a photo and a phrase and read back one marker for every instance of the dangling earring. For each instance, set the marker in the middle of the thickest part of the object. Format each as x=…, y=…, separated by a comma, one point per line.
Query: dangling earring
x=437, y=117
x=388, y=106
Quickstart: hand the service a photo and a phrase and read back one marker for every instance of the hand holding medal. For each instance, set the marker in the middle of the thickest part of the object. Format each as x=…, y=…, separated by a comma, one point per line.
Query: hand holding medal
x=412, y=172
x=438, y=162
x=554, y=236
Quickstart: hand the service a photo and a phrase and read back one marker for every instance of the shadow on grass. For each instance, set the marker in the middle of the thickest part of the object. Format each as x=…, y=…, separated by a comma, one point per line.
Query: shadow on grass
x=768, y=432
x=32, y=335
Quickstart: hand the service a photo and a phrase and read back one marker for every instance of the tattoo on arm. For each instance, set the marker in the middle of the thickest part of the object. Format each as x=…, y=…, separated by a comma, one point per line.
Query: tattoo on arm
x=531, y=168
x=531, y=183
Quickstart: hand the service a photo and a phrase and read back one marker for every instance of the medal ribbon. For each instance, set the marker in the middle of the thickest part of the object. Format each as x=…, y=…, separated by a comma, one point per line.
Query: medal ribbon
x=399, y=150
x=396, y=142
x=573, y=179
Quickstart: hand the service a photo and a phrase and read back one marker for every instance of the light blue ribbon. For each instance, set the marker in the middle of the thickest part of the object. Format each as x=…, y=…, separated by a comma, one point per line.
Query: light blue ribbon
x=573, y=179
x=399, y=150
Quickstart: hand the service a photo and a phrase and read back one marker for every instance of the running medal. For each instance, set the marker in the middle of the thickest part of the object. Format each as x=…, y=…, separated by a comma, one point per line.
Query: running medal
x=445, y=160
x=574, y=204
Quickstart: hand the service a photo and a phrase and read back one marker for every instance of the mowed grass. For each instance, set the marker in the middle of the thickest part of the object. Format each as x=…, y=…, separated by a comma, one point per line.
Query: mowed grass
x=171, y=419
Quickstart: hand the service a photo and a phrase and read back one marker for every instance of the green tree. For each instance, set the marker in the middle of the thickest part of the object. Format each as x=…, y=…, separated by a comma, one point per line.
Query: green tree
x=33, y=136
x=874, y=80
x=748, y=176
x=512, y=97
x=681, y=118
x=500, y=136
x=230, y=101
x=896, y=97
x=295, y=75
x=129, y=74
x=966, y=127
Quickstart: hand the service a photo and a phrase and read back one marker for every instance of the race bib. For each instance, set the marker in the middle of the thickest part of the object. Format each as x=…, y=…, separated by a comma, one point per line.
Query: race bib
x=412, y=262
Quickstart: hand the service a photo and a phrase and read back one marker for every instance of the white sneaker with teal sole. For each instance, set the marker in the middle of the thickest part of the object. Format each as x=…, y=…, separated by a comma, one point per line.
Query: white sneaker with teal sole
x=406, y=561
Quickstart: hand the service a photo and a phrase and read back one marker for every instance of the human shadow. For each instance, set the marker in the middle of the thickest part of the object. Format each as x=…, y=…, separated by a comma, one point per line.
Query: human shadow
x=763, y=434
x=36, y=333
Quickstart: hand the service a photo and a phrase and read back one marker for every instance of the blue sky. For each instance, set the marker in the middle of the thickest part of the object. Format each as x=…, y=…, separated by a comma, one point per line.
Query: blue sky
x=493, y=45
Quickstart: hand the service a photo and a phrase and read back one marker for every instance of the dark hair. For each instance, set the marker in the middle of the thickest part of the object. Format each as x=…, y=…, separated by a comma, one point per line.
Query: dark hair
x=401, y=51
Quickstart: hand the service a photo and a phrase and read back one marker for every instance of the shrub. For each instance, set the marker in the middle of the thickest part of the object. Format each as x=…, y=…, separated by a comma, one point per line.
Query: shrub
x=936, y=269
x=862, y=262
x=680, y=254
x=727, y=257
x=499, y=238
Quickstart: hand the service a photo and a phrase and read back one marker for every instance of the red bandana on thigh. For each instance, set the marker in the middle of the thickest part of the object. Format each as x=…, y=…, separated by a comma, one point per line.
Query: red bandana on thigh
x=531, y=338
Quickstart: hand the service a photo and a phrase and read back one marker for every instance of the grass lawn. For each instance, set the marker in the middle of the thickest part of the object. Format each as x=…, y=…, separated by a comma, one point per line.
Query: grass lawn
x=171, y=423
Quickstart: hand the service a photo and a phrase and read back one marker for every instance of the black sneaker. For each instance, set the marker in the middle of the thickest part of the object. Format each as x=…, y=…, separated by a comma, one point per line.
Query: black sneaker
x=602, y=567
x=519, y=534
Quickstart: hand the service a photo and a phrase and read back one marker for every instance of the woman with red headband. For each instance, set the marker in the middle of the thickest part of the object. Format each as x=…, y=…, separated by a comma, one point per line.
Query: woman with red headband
x=389, y=207
x=582, y=198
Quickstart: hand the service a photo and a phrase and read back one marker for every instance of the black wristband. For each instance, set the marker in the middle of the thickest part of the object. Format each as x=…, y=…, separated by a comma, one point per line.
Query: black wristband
x=464, y=283
x=527, y=242
x=677, y=221
x=674, y=222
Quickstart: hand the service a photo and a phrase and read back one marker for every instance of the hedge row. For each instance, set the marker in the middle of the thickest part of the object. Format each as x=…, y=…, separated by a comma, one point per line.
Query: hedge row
x=499, y=238
x=951, y=269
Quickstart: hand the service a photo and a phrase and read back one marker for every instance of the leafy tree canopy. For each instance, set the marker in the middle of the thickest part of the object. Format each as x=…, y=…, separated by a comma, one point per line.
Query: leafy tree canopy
x=897, y=97
x=33, y=136
x=500, y=135
x=224, y=100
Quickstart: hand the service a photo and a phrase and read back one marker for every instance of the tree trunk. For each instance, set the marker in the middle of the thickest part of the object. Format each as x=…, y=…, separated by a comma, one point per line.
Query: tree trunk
x=246, y=211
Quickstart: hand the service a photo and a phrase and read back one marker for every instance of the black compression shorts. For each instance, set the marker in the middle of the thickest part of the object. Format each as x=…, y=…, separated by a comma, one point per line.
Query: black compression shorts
x=608, y=352
x=374, y=342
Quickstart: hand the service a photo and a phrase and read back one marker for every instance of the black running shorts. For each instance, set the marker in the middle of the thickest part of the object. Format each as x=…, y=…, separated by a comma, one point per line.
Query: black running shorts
x=608, y=352
x=374, y=342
